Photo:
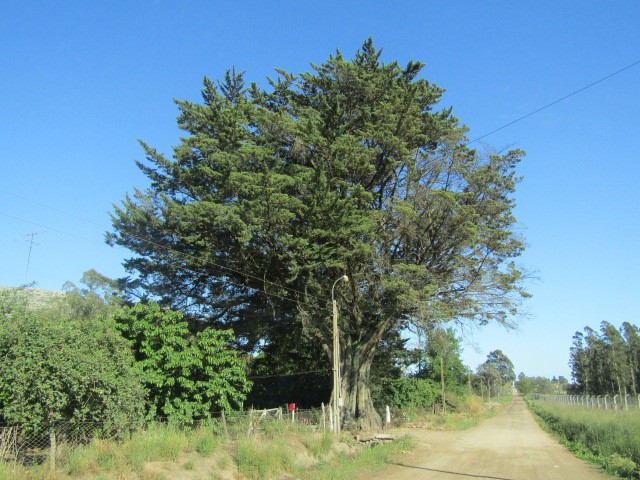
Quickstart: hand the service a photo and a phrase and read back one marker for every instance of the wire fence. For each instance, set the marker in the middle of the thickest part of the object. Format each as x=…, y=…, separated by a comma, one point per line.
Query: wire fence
x=28, y=445
x=614, y=402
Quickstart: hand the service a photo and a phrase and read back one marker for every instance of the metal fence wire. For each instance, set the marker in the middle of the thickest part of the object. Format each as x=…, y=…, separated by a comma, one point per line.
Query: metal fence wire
x=29, y=446
x=614, y=402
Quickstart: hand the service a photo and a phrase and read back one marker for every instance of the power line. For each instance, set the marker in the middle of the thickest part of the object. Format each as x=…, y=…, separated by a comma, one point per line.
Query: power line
x=163, y=247
x=175, y=264
x=554, y=102
x=180, y=254
x=286, y=374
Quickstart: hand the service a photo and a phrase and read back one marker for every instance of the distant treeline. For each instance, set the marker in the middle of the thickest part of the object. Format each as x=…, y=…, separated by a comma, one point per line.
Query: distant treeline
x=606, y=362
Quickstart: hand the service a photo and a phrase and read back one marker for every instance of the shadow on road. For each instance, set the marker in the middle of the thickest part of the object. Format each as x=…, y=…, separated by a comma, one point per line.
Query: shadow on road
x=468, y=475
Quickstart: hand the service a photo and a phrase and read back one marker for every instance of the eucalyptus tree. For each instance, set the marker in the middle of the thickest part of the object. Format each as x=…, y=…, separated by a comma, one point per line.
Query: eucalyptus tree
x=631, y=335
x=351, y=169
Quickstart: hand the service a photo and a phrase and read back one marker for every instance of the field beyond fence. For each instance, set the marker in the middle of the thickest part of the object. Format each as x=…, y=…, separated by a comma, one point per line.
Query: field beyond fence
x=609, y=437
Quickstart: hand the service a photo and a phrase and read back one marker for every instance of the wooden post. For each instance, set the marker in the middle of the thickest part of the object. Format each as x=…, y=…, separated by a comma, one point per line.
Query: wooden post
x=224, y=425
x=52, y=449
x=250, y=423
x=615, y=402
x=331, y=424
x=388, y=414
x=324, y=419
x=606, y=406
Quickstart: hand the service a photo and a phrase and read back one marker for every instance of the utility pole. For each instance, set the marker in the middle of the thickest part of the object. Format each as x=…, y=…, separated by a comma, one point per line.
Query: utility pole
x=31, y=244
x=337, y=396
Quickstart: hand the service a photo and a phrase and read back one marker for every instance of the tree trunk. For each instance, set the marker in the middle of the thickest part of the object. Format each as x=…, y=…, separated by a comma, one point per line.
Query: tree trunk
x=358, y=411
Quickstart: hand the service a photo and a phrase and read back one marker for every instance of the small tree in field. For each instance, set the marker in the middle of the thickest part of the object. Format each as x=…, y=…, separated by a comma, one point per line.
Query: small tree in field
x=275, y=193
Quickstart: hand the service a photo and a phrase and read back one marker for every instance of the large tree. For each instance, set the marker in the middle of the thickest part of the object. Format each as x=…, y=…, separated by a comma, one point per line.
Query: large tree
x=276, y=192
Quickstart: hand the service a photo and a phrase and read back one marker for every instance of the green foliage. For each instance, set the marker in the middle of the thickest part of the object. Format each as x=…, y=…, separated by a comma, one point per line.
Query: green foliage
x=407, y=392
x=606, y=362
x=188, y=375
x=502, y=364
x=274, y=193
x=257, y=461
x=527, y=385
x=495, y=376
x=607, y=437
x=59, y=368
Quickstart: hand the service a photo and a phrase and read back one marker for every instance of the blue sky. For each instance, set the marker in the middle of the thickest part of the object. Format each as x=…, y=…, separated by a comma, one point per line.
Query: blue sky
x=82, y=81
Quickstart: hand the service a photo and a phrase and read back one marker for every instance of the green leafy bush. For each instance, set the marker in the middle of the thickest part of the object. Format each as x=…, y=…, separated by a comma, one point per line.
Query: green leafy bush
x=406, y=392
x=59, y=369
x=188, y=375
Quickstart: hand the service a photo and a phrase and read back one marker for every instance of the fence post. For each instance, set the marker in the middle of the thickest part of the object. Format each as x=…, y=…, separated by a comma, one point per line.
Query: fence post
x=615, y=402
x=250, y=430
x=52, y=449
x=324, y=419
x=606, y=406
x=331, y=425
x=626, y=404
x=598, y=400
x=388, y=414
x=224, y=425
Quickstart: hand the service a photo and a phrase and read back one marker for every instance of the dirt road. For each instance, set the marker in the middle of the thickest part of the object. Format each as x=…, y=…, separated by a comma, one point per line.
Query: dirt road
x=509, y=446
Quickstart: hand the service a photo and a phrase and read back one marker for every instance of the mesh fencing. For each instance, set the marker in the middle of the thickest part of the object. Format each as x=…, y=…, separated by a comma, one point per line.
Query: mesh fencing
x=599, y=402
x=29, y=446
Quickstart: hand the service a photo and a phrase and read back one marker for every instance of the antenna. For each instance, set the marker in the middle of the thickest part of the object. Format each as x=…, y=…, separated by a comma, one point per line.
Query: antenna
x=31, y=244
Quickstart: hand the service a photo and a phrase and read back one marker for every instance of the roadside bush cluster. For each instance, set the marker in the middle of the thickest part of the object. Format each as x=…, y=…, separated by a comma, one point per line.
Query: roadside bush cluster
x=77, y=359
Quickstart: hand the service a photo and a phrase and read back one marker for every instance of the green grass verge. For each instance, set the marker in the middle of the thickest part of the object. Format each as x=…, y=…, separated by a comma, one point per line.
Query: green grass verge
x=608, y=438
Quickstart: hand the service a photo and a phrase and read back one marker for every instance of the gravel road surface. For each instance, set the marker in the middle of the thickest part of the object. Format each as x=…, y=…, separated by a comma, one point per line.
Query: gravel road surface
x=509, y=446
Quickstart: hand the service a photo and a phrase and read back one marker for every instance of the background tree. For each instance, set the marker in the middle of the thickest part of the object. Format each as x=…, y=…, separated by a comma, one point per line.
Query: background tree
x=187, y=375
x=487, y=381
x=349, y=169
x=503, y=364
x=605, y=362
x=444, y=362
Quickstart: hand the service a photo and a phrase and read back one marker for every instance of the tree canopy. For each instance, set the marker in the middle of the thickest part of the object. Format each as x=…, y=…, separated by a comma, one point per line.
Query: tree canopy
x=274, y=193
x=606, y=362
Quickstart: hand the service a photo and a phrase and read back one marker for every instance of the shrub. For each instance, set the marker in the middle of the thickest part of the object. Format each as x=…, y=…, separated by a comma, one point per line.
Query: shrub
x=406, y=392
x=56, y=368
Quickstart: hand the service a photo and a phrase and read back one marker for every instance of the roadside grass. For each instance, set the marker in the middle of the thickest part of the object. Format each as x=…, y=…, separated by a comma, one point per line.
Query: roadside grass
x=370, y=460
x=258, y=460
x=608, y=438
x=275, y=450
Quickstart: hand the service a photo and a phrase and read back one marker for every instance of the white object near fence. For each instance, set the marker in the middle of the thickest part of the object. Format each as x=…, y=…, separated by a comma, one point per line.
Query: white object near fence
x=388, y=414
